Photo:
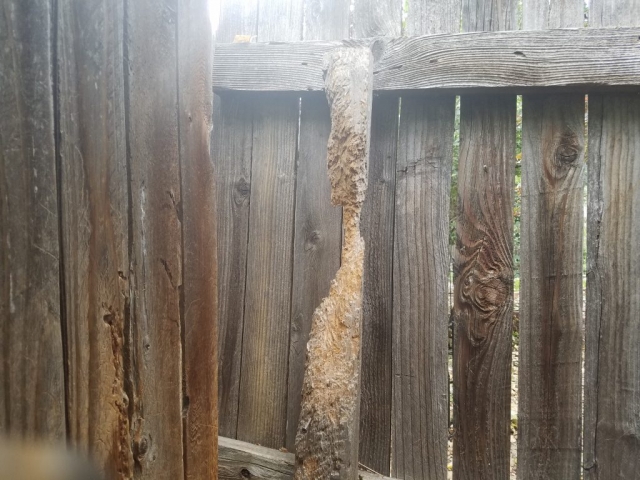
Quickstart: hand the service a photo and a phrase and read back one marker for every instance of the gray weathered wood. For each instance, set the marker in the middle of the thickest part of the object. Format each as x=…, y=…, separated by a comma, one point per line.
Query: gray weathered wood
x=579, y=58
x=551, y=326
x=231, y=144
x=95, y=228
x=199, y=302
x=241, y=460
x=612, y=353
x=262, y=413
x=32, y=392
x=327, y=436
x=378, y=17
x=421, y=264
x=316, y=245
x=156, y=276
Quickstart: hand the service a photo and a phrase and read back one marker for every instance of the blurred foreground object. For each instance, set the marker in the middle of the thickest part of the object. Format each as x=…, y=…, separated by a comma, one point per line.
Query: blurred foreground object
x=34, y=461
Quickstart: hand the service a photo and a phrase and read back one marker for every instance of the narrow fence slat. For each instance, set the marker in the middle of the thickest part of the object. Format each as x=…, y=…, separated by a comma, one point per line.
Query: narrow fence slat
x=200, y=300
x=156, y=276
x=421, y=263
x=95, y=228
x=612, y=352
x=370, y=18
x=316, y=245
x=262, y=412
x=32, y=389
x=231, y=146
x=551, y=326
x=483, y=269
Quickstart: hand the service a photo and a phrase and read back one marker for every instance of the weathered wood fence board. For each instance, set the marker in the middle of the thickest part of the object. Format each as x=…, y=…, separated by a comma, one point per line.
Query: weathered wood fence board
x=95, y=228
x=379, y=17
x=421, y=264
x=231, y=152
x=32, y=389
x=551, y=326
x=316, y=246
x=199, y=300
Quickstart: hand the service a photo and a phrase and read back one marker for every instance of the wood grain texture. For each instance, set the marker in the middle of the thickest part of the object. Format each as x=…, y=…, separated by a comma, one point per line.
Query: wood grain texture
x=262, y=415
x=156, y=350
x=551, y=326
x=241, y=460
x=612, y=384
x=612, y=357
x=318, y=229
x=263, y=383
x=200, y=268
x=379, y=17
x=588, y=59
x=32, y=390
x=95, y=228
x=549, y=410
x=420, y=282
x=231, y=148
x=483, y=290
x=421, y=267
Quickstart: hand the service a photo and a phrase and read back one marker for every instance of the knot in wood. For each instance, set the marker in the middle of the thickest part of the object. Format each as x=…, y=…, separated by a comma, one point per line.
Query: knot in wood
x=566, y=154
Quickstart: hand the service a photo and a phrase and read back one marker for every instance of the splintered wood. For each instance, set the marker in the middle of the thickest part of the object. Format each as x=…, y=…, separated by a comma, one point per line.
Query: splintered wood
x=327, y=437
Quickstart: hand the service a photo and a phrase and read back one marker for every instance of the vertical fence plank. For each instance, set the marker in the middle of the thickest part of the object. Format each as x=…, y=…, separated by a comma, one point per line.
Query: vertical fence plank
x=32, y=384
x=156, y=238
x=200, y=299
x=316, y=245
x=370, y=18
x=262, y=412
x=95, y=228
x=421, y=265
x=549, y=388
x=483, y=269
x=231, y=155
x=612, y=355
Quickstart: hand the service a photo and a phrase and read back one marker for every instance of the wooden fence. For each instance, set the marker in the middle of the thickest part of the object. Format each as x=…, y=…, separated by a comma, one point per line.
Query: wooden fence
x=108, y=231
x=107, y=227
x=279, y=237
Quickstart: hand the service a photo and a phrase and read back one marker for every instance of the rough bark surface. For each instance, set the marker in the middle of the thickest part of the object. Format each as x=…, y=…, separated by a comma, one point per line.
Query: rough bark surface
x=327, y=439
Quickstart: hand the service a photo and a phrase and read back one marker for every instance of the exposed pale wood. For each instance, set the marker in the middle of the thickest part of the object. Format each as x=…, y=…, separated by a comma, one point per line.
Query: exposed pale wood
x=421, y=263
x=156, y=275
x=614, y=13
x=316, y=245
x=95, y=228
x=584, y=58
x=262, y=414
x=551, y=326
x=32, y=391
x=241, y=460
x=378, y=17
x=231, y=145
x=200, y=268
x=612, y=432
x=327, y=436
x=483, y=291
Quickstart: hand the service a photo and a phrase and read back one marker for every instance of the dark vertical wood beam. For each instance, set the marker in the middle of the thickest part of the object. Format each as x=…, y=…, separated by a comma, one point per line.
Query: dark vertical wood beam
x=95, y=228
x=551, y=326
x=316, y=244
x=370, y=18
x=421, y=266
x=200, y=268
x=327, y=437
x=156, y=273
x=483, y=269
x=231, y=149
x=612, y=354
x=32, y=388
